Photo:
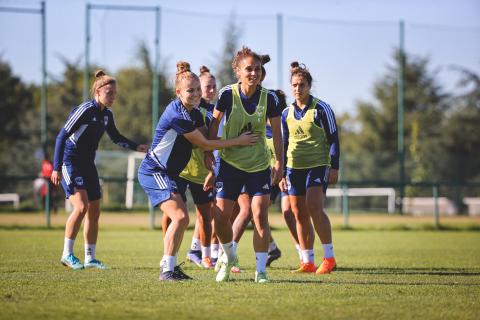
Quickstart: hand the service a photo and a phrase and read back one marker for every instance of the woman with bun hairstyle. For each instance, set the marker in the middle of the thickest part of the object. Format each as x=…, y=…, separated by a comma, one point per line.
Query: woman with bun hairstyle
x=312, y=153
x=246, y=106
x=194, y=176
x=180, y=127
x=74, y=166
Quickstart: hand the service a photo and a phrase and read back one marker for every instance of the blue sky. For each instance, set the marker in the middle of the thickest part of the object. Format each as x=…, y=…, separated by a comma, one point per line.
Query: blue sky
x=345, y=44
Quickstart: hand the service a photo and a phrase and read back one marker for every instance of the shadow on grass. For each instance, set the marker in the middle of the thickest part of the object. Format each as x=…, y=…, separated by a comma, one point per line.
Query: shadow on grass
x=29, y=227
x=415, y=271
x=412, y=227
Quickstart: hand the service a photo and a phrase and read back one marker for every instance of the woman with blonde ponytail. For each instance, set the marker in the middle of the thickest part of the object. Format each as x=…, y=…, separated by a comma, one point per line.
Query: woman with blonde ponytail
x=74, y=166
x=179, y=129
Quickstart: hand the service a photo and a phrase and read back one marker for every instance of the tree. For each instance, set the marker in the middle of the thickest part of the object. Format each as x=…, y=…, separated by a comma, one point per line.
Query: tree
x=376, y=142
x=225, y=74
x=16, y=103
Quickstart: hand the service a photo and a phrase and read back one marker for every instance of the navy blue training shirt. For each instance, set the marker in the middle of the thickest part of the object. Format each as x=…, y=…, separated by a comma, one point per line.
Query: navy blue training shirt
x=170, y=150
x=79, y=137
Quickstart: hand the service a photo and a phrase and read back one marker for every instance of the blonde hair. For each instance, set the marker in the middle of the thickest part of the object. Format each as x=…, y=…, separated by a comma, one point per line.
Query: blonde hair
x=205, y=72
x=101, y=80
x=297, y=69
x=183, y=72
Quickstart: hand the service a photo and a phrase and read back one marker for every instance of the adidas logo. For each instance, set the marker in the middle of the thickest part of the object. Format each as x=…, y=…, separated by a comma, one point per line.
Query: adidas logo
x=317, y=180
x=299, y=133
x=94, y=119
x=266, y=187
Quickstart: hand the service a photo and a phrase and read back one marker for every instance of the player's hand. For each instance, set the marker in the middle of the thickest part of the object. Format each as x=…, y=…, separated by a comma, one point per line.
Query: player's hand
x=209, y=182
x=56, y=177
x=283, y=185
x=333, y=176
x=208, y=160
x=142, y=148
x=277, y=173
x=247, y=139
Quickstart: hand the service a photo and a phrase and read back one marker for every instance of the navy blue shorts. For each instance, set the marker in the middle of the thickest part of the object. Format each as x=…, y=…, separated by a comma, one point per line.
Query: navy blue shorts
x=158, y=186
x=81, y=177
x=299, y=180
x=198, y=194
x=231, y=180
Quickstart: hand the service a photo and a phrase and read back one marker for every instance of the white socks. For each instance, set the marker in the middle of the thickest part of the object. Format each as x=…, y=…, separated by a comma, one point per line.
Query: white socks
x=205, y=252
x=327, y=250
x=195, y=244
x=230, y=251
x=68, y=246
x=89, y=252
x=215, y=250
x=272, y=246
x=261, y=261
x=308, y=256
x=299, y=251
x=168, y=263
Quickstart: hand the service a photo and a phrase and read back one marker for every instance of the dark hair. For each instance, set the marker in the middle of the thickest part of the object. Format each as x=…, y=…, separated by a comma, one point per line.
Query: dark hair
x=297, y=69
x=264, y=59
x=282, y=99
x=101, y=80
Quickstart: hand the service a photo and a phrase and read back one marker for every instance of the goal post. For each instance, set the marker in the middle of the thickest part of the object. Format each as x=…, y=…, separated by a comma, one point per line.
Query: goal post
x=131, y=169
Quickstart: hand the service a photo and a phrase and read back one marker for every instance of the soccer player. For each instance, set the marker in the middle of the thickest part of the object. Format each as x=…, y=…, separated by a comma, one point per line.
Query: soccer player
x=180, y=127
x=75, y=149
x=246, y=106
x=312, y=152
x=194, y=176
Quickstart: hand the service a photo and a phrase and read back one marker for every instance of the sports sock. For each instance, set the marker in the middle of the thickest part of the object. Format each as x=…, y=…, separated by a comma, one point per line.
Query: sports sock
x=229, y=251
x=272, y=246
x=195, y=244
x=299, y=251
x=215, y=250
x=328, y=250
x=308, y=256
x=261, y=261
x=205, y=252
x=168, y=263
x=68, y=246
x=89, y=252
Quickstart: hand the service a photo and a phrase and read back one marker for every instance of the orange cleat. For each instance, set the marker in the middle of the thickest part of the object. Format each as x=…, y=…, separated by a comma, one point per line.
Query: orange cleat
x=306, y=268
x=327, y=266
x=207, y=263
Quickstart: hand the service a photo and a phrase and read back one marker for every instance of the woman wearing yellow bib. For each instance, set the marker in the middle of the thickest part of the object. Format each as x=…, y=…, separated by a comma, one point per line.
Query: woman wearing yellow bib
x=246, y=106
x=312, y=152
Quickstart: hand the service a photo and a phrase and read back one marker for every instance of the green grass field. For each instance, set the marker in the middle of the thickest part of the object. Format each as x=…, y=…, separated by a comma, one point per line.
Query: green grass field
x=381, y=275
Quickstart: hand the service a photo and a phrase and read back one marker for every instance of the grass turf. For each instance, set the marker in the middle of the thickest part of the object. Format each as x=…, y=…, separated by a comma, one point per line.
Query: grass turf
x=381, y=274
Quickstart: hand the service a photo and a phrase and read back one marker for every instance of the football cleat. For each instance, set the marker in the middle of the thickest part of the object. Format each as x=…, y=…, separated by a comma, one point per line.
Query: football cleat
x=273, y=255
x=327, y=266
x=180, y=274
x=195, y=256
x=261, y=277
x=236, y=267
x=72, y=262
x=308, y=267
x=207, y=263
x=97, y=264
x=224, y=269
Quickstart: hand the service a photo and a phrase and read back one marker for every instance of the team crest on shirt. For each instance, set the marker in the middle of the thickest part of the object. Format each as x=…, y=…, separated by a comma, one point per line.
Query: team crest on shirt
x=105, y=120
x=79, y=181
x=219, y=186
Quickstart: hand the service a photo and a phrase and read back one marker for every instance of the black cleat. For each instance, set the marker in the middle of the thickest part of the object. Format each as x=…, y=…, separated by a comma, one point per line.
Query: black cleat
x=273, y=255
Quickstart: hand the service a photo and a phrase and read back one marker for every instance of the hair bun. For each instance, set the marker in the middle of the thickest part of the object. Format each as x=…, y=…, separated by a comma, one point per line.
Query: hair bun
x=182, y=67
x=294, y=65
x=265, y=59
x=204, y=69
x=99, y=73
